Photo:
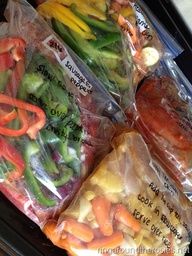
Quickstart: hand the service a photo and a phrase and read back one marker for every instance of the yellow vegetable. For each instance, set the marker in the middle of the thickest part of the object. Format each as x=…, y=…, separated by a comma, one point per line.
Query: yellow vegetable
x=69, y=14
x=89, y=195
x=99, y=4
x=108, y=181
x=85, y=208
x=84, y=7
x=126, y=11
x=47, y=10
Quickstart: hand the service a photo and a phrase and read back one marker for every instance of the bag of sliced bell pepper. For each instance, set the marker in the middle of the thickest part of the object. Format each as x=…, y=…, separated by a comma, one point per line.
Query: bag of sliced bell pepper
x=142, y=39
x=54, y=116
x=129, y=206
x=163, y=106
x=88, y=29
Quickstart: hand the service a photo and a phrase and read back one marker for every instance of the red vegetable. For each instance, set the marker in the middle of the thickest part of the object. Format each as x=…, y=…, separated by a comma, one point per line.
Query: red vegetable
x=30, y=128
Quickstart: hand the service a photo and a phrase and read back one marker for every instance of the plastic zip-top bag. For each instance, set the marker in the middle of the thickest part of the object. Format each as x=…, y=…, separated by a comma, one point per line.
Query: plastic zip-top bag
x=54, y=116
x=163, y=116
x=129, y=206
x=140, y=36
x=170, y=45
x=88, y=29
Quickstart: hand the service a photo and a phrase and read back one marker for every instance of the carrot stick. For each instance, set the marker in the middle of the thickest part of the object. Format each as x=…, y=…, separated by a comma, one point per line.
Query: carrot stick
x=101, y=209
x=122, y=215
x=74, y=242
x=50, y=230
x=109, y=242
x=81, y=231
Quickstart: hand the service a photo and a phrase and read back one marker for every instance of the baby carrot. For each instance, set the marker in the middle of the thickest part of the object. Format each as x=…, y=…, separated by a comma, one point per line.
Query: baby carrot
x=50, y=230
x=81, y=231
x=122, y=215
x=110, y=242
x=74, y=242
x=101, y=209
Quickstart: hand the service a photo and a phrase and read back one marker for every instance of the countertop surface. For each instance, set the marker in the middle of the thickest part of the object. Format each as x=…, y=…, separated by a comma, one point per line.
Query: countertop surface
x=185, y=9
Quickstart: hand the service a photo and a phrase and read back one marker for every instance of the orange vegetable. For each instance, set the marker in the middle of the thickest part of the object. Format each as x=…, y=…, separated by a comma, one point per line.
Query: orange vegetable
x=128, y=28
x=122, y=215
x=101, y=209
x=74, y=242
x=5, y=117
x=79, y=230
x=22, y=114
x=109, y=242
x=50, y=230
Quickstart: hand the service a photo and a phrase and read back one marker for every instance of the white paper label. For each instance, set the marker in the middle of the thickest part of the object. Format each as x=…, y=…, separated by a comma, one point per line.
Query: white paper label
x=63, y=57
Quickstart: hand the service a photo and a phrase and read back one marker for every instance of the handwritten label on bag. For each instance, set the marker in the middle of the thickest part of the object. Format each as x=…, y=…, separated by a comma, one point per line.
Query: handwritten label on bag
x=63, y=57
x=169, y=186
x=141, y=22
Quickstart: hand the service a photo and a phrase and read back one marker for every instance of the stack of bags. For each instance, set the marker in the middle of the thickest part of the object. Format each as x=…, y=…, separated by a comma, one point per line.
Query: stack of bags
x=95, y=127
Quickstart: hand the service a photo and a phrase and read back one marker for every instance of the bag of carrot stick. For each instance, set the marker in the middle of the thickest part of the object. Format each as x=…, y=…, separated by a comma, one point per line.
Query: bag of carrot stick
x=129, y=206
x=141, y=37
x=55, y=117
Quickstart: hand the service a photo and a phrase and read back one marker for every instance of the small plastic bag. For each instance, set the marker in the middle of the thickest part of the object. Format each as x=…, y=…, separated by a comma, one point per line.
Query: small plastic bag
x=54, y=116
x=141, y=37
x=170, y=45
x=88, y=29
x=129, y=206
x=163, y=106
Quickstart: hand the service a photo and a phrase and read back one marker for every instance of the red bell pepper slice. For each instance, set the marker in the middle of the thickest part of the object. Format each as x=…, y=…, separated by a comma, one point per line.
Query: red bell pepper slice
x=30, y=129
x=9, y=43
x=15, y=79
x=22, y=114
x=6, y=118
x=9, y=153
x=6, y=61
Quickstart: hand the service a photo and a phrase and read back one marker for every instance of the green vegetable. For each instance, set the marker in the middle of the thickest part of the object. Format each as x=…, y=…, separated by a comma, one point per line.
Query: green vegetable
x=105, y=26
x=49, y=165
x=66, y=176
x=4, y=77
x=106, y=40
x=32, y=149
x=122, y=82
x=64, y=33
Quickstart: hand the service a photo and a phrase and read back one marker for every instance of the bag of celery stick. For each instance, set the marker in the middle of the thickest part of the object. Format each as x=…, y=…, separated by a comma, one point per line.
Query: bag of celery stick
x=163, y=116
x=129, y=206
x=140, y=35
x=54, y=116
x=87, y=28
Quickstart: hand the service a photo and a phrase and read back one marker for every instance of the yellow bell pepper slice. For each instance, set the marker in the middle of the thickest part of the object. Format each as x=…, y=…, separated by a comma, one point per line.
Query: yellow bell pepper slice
x=84, y=7
x=70, y=15
x=48, y=11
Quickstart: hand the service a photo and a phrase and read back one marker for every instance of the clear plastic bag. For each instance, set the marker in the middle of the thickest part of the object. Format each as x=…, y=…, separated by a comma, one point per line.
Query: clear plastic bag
x=129, y=206
x=141, y=37
x=170, y=45
x=88, y=29
x=54, y=116
x=164, y=119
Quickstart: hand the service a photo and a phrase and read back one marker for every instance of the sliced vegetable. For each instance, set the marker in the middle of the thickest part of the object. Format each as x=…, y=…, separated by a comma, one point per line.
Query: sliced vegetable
x=79, y=230
x=34, y=187
x=105, y=26
x=110, y=242
x=101, y=209
x=122, y=215
x=14, y=157
x=23, y=106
